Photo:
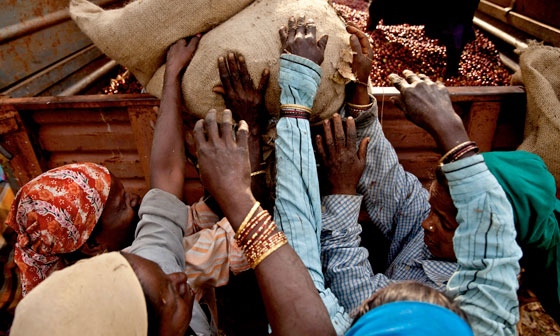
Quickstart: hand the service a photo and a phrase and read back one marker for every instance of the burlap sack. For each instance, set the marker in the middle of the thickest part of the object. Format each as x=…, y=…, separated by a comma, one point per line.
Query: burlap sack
x=540, y=73
x=138, y=35
x=254, y=33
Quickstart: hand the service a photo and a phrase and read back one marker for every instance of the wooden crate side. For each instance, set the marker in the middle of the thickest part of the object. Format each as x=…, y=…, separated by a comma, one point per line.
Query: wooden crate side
x=14, y=139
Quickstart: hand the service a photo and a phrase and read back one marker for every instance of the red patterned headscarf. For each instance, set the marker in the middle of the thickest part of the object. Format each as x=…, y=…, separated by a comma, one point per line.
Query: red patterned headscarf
x=54, y=214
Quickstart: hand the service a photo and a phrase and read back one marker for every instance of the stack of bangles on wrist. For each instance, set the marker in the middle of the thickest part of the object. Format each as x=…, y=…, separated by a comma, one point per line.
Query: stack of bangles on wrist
x=258, y=236
x=355, y=109
x=295, y=111
x=457, y=152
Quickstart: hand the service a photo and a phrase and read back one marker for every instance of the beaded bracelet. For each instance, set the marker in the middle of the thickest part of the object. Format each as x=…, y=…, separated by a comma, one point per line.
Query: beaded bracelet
x=282, y=241
x=453, y=152
x=258, y=172
x=251, y=226
x=294, y=114
x=247, y=218
x=360, y=107
x=300, y=108
x=263, y=240
x=462, y=152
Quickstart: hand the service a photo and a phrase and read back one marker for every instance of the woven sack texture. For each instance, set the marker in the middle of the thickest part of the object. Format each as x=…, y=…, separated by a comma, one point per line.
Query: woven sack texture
x=138, y=34
x=254, y=33
x=540, y=73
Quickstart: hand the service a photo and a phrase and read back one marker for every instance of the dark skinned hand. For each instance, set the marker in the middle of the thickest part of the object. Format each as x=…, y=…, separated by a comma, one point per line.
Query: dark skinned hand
x=224, y=166
x=344, y=166
x=361, y=66
x=363, y=54
x=180, y=55
x=427, y=104
x=244, y=100
x=300, y=39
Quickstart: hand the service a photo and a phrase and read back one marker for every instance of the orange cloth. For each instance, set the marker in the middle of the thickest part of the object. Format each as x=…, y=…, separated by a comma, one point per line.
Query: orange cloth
x=210, y=250
x=53, y=214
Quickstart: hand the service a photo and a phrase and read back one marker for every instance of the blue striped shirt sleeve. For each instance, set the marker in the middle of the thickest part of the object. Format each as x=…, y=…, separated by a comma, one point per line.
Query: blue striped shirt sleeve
x=485, y=284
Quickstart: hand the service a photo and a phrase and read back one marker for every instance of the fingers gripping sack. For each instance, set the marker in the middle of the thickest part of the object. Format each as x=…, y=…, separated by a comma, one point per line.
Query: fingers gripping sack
x=252, y=32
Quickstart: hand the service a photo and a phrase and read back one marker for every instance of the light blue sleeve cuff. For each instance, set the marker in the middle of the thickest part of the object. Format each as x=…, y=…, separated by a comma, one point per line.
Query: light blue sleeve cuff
x=299, y=79
x=469, y=176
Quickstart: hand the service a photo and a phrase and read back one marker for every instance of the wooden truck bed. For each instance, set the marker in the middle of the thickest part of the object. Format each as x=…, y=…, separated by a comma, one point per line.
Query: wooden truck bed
x=116, y=130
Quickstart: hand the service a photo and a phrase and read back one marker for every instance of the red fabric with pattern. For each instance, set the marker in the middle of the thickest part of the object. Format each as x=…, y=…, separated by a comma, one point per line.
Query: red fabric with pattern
x=54, y=214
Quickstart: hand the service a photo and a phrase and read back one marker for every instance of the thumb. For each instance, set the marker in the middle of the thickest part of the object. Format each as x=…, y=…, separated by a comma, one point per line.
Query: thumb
x=219, y=89
x=399, y=103
x=322, y=43
x=362, y=150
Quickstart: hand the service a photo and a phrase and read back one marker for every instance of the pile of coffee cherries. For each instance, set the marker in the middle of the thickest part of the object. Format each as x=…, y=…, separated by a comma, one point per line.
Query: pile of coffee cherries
x=125, y=82
x=401, y=47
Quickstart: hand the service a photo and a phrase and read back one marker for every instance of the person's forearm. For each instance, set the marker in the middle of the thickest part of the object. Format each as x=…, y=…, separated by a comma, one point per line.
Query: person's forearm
x=289, y=293
x=258, y=181
x=168, y=161
x=485, y=284
x=357, y=94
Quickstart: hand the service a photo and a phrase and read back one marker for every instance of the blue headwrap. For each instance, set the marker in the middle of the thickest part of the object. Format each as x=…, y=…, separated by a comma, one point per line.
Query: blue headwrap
x=410, y=318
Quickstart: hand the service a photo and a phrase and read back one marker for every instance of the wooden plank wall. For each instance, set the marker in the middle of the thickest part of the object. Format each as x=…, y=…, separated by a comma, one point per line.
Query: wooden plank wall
x=116, y=131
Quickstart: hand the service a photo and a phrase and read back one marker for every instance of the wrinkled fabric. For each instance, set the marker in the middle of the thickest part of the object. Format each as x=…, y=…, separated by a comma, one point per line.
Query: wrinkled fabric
x=211, y=251
x=531, y=190
x=96, y=296
x=410, y=318
x=55, y=213
x=297, y=209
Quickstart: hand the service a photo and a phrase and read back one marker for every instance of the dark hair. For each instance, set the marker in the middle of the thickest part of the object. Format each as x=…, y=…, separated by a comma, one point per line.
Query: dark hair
x=408, y=291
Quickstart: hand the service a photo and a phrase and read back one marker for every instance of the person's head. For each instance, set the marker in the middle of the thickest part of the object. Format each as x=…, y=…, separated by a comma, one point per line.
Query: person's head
x=409, y=308
x=408, y=291
x=69, y=213
x=169, y=298
x=115, y=228
x=441, y=223
x=112, y=293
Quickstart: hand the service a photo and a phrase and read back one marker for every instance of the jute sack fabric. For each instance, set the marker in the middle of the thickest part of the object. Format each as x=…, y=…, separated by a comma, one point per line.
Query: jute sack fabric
x=253, y=32
x=540, y=73
x=138, y=34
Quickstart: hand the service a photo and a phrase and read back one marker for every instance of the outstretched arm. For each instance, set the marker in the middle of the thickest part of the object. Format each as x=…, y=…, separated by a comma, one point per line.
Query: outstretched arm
x=292, y=303
x=485, y=284
x=168, y=161
x=246, y=102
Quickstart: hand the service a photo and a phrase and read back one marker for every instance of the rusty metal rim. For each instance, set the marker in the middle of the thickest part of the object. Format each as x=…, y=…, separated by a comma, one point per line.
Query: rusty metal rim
x=89, y=79
x=491, y=29
x=27, y=27
x=519, y=21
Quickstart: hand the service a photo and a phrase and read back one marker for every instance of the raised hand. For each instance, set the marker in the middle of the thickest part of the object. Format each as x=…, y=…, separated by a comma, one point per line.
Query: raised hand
x=363, y=54
x=244, y=100
x=299, y=38
x=224, y=166
x=180, y=55
x=344, y=166
x=427, y=104
x=361, y=67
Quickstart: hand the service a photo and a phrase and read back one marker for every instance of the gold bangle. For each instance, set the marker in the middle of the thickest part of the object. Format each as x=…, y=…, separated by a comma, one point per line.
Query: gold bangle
x=272, y=249
x=258, y=172
x=295, y=106
x=360, y=107
x=247, y=218
x=451, y=151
